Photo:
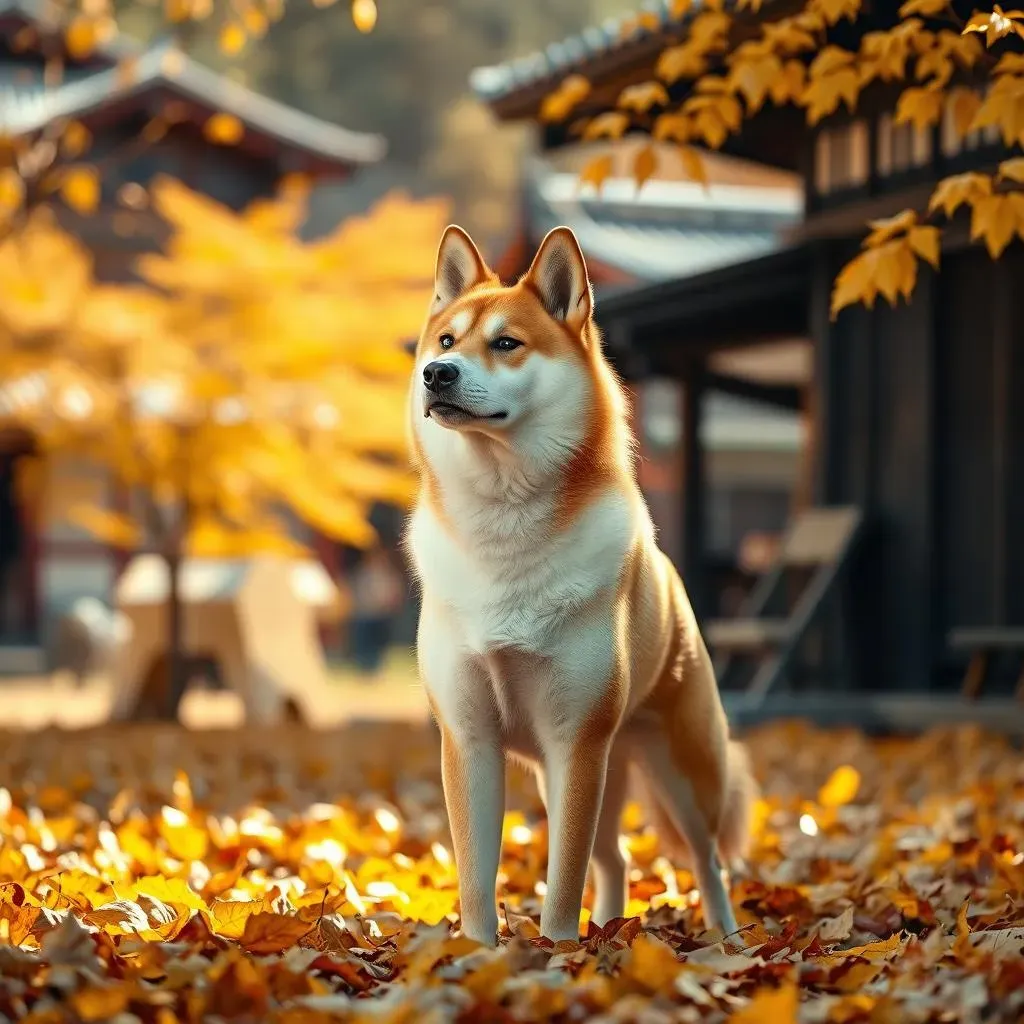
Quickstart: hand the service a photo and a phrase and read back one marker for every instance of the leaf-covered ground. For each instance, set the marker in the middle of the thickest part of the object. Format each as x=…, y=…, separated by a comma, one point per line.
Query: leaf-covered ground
x=158, y=875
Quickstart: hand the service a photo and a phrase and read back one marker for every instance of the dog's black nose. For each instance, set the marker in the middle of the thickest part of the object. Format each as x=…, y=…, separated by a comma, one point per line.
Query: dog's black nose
x=440, y=374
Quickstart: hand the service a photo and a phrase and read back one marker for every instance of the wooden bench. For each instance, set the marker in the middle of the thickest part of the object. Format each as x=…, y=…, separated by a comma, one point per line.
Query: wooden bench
x=818, y=541
x=982, y=643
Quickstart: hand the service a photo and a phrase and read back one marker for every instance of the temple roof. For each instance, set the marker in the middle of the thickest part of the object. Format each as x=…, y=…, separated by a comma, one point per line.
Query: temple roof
x=125, y=73
x=667, y=229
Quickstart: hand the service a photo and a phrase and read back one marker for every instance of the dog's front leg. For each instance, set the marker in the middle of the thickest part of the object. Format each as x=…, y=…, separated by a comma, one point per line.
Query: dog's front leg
x=583, y=706
x=473, y=771
x=575, y=779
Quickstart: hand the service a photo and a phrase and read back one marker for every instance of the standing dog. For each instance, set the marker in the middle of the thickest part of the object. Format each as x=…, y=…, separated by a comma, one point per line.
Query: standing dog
x=553, y=630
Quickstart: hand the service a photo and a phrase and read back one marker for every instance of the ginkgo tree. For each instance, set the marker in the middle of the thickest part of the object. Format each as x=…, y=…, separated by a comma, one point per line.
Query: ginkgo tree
x=250, y=373
x=946, y=57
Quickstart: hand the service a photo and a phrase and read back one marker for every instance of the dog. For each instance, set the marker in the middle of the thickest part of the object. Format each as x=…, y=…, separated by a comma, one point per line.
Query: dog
x=553, y=630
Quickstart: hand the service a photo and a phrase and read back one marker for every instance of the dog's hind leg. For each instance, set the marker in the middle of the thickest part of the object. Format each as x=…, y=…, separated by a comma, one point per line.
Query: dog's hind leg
x=609, y=867
x=679, y=800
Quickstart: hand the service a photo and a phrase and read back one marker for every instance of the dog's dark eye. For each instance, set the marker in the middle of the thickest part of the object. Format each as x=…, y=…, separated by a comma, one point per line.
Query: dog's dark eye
x=447, y=340
x=505, y=344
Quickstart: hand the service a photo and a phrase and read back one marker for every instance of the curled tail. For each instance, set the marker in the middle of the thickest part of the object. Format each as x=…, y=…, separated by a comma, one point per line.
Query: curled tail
x=741, y=791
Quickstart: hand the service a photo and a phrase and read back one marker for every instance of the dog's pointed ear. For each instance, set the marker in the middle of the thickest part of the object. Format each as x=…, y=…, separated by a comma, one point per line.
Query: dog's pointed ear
x=559, y=275
x=459, y=267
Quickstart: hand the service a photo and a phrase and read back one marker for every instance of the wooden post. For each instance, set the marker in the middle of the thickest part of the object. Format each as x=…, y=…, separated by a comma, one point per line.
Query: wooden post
x=692, y=535
x=1002, y=341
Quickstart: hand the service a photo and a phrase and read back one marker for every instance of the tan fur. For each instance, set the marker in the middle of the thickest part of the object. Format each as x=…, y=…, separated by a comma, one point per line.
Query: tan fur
x=659, y=707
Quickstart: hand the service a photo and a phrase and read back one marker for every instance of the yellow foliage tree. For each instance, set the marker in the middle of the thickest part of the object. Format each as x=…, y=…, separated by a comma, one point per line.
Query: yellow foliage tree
x=251, y=373
x=38, y=166
x=944, y=55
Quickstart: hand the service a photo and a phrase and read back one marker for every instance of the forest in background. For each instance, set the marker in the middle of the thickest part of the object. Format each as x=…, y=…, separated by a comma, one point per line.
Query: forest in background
x=407, y=80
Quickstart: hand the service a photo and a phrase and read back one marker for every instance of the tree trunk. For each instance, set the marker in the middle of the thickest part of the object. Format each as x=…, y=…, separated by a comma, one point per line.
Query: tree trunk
x=177, y=662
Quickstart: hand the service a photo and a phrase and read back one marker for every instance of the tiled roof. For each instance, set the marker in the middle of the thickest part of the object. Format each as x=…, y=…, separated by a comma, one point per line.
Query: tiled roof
x=559, y=58
x=667, y=229
x=29, y=106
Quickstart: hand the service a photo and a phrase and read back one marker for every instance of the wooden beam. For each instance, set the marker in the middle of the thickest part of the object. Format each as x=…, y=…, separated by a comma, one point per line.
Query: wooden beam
x=786, y=396
x=692, y=535
x=892, y=713
x=1002, y=340
x=827, y=385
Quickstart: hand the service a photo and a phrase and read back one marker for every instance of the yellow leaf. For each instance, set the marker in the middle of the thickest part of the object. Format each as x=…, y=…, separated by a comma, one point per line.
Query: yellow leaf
x=611, y=124
x=924, y=8
x=830, y=60
x=227, y=917
x=18, y=920
x=100, y=1002
x=996, y=24
x=885, y=54
x=557, y=105
x=963, y=947
x=652, y=962
x=841, y=787
x=714, y=117
x=80, y=188
x=889, y=269
x=789, y=85
x=1009, y=64
x=75, y=139
x=120, y=917
x=835, y=10
x=1012, y=169
x=645, y=163
x=755, y=78
x=693, y=164
x=925, y=241
x=875, y=950
x=994, y=218
x=642, y=97
x=224, y=129
x=832, y=78
x=12, y=192
x=676, y=126
x=921, y=107
x=963, y=104
x=776, y=1005
x=80, y=37
x=232, y=38
x=888, y=227
x=364, y=15
x=1004, y=106
x=952, y=192
x=185, y=840
x=169, y=890
x=686, y=60
x=110, y=527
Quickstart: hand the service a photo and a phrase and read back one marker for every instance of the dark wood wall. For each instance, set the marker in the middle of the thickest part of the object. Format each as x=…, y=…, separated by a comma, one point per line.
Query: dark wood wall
x=981, y=374
x=922, y=425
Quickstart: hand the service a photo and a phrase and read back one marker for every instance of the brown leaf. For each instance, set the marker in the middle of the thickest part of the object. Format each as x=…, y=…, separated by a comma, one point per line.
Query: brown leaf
x=271, y=933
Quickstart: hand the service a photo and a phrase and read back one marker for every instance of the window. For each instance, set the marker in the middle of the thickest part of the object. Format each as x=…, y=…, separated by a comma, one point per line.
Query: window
x=841, y=157
x=902, y=147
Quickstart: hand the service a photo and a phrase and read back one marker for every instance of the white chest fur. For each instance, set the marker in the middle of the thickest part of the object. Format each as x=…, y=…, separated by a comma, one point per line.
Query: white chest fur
x=507, y=580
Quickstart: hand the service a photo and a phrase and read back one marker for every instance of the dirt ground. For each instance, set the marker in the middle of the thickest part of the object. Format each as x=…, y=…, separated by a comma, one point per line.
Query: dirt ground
x=39, y=702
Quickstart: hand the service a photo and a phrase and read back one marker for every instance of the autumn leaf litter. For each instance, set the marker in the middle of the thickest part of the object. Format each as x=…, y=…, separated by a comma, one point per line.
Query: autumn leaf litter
x=155, y=875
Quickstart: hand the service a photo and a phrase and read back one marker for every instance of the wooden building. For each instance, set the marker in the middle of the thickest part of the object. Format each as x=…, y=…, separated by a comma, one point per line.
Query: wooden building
x=672, y=228
x=116, y=92
x=915, y=408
